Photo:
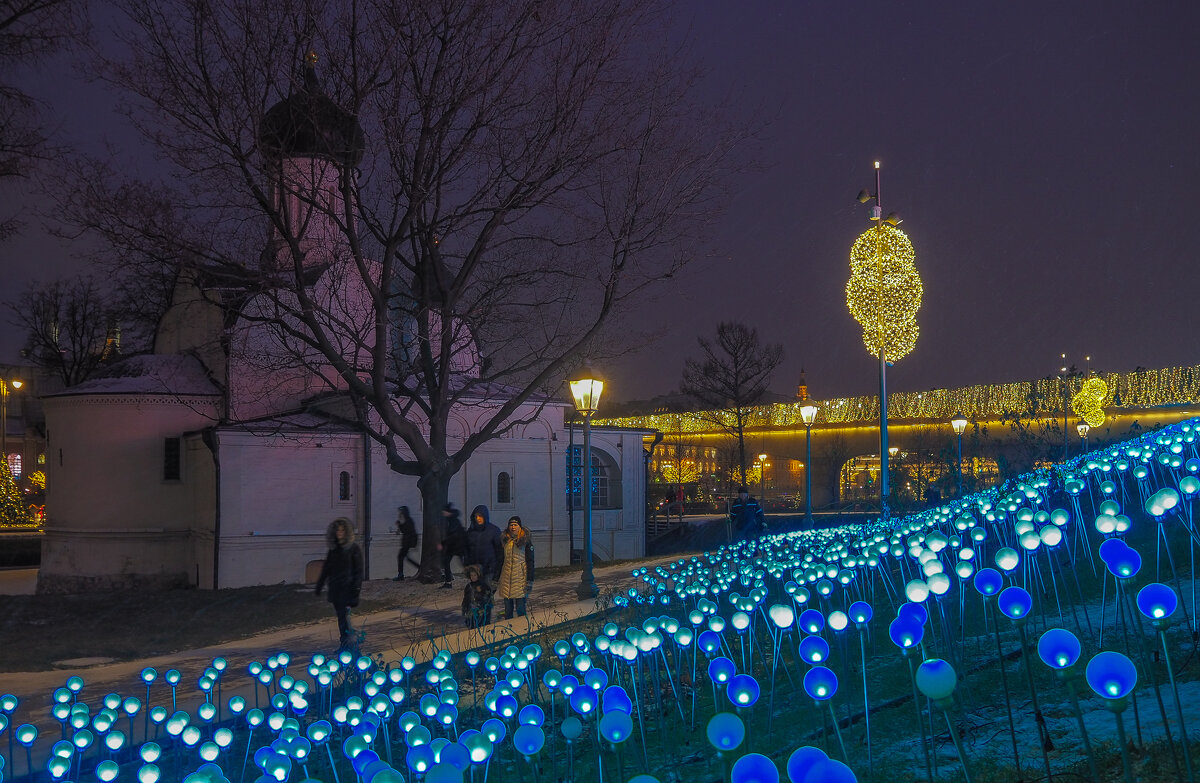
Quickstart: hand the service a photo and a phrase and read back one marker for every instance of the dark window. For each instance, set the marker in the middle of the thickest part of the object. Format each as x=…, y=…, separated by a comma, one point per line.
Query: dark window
x=172, y=454
x=343, y=486
x=503, y=487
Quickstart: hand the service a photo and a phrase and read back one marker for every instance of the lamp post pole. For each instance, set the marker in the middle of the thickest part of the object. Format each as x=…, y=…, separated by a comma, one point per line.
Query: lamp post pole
x=762, y=477
x=808, y=414
x=883, y=438
x=586, y=393
x=5, y=384
x=1082, y=428
x=587, y=584
x=959, y=423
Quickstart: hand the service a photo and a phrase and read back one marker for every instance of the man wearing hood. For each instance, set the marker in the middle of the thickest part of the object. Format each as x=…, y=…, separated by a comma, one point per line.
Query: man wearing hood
x=484, y=548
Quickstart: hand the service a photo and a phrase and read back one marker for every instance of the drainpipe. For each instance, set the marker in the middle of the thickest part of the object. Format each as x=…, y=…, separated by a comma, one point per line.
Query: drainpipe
x=366, y=441
x=212, y=441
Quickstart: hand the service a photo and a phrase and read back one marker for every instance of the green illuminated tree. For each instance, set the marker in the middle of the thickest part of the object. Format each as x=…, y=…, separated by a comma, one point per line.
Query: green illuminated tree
x=12, y=505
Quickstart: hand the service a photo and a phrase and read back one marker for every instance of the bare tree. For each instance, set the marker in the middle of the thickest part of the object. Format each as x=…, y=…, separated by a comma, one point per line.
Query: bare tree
x=457, y=197
x=29, y=30
x=731, y=375
x=834, y=454
x=67, y=324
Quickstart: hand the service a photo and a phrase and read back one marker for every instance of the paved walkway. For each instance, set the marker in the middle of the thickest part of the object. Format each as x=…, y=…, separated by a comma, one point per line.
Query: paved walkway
x=424, y=619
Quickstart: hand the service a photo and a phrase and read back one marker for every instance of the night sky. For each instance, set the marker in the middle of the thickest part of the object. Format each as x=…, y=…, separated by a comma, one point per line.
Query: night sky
x=1042, y=155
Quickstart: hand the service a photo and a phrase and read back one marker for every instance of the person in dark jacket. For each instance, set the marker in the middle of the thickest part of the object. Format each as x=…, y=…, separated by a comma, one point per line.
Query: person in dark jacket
x=746, y=516
x=483, y=544
x=477, y=598
x=407, y=529
x=343, y=573
x=454, y=542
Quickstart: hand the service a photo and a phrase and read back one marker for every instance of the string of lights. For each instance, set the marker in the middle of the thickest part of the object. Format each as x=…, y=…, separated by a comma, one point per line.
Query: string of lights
x=1044, y=397
x=884, y=291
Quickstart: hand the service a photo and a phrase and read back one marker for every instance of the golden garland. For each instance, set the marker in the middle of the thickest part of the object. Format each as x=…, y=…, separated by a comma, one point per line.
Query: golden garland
x=1044, y=397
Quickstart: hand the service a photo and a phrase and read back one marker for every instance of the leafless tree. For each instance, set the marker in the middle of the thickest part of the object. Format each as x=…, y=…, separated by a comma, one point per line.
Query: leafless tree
x=524, y=170
x=29, y=30
x=730, y=376
x=66, y=323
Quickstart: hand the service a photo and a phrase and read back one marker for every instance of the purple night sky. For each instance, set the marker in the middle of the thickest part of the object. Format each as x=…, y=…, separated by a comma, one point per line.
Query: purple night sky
x=1040, y=153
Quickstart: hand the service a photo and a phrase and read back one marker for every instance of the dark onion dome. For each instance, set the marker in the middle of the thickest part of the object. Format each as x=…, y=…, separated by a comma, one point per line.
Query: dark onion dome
x=309, y=124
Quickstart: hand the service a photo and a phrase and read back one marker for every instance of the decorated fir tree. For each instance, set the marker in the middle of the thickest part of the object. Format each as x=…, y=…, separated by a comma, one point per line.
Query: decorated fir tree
x=12, y=505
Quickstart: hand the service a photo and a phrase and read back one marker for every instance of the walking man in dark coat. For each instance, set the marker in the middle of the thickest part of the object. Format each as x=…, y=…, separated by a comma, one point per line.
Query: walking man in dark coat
x=483, y=544
x=454, y=542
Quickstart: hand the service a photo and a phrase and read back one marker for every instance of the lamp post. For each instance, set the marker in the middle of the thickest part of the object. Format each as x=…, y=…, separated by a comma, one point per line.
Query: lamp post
x=808, y=414
x=959, y=423
x=883, y=294
x=586, y=393
x=5, y=385
x=1082, y=428
x=762, y=476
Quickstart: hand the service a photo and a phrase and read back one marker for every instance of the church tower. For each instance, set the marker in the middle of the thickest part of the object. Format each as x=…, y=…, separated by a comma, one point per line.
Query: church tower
x=312, y=147
x=802, y=388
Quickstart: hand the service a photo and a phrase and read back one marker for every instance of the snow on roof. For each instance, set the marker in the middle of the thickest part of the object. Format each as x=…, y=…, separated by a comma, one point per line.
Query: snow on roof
x=173, y=374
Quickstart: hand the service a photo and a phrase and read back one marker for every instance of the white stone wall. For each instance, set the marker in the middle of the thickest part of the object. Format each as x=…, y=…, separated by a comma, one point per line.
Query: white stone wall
x=279, y=492
x=111, y=518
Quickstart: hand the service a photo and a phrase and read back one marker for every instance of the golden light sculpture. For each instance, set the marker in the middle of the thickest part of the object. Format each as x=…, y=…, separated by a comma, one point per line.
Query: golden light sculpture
x=1088, y=402
x=885, y=290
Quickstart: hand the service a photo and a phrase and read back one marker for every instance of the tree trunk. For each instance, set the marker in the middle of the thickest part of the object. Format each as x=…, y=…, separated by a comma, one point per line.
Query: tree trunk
x=435, y=489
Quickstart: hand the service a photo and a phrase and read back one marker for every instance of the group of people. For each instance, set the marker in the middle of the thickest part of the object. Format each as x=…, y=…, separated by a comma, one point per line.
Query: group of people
x=496, y=563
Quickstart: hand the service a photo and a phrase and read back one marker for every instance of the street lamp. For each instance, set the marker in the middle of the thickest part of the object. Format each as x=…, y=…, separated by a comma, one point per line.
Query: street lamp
x=808, y=414
x=5, y=384
x=762, y=476
x=883, y=294
x=1082, y=428
x=959, y=423
x=586, y=393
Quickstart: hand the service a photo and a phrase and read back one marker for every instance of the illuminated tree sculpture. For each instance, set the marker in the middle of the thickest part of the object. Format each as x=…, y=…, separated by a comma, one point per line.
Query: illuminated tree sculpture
x=1088, y=403
x=884, y=294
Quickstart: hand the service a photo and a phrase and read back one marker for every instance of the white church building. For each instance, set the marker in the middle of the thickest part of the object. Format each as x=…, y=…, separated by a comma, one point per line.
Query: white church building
x=201, y=464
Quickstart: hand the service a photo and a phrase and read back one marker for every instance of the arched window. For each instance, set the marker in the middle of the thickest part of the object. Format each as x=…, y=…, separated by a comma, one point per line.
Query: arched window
x=606, y=479
x=503, y=487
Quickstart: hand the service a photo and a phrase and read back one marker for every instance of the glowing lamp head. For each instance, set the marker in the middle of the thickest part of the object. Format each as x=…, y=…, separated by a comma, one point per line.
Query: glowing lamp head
x=959, y=423
x=1111, y=675
x=721, y=670
x=528, y=740
x=916, y=591
x=905, y=632
x=1015, y=603
x=1157, y=602
x=586, y=393
x=861, y=613
x=820, y=683
x=808, y=414
x=1121, y=560
x=802, y=761
x=754, y=768
x=936, y=679
x=1058, y=648
x=1007, y=559
x=742, y=690
x=725, y=731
